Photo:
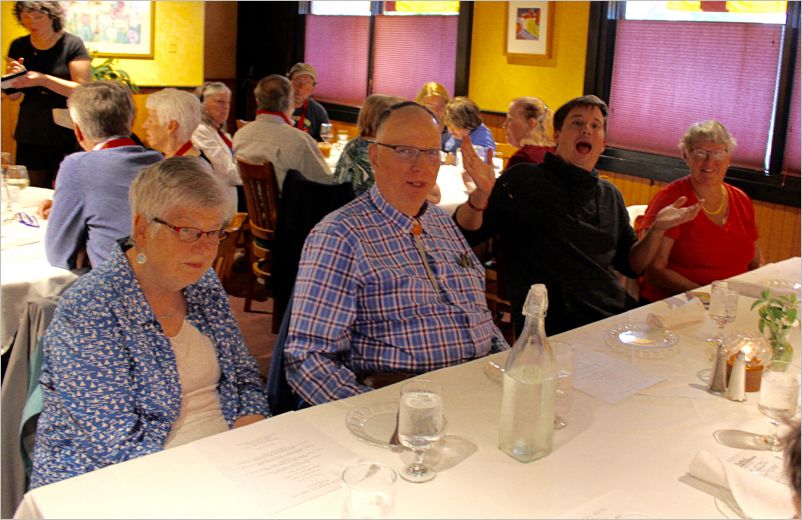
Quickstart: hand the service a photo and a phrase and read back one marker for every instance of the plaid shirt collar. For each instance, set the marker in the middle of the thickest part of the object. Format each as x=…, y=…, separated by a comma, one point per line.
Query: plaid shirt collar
x=401, y=221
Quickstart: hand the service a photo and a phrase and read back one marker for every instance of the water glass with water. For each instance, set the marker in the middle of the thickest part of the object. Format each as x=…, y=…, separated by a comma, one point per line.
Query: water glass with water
x=421, y=423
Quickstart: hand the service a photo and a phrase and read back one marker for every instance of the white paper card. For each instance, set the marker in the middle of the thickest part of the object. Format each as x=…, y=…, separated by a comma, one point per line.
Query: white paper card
x=764, y=463
x=280, y=464
x=609, y=379
x=615, y=504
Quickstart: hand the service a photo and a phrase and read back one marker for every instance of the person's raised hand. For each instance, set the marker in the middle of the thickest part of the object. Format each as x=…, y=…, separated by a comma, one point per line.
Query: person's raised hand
x=674, y=214
x=483, y=174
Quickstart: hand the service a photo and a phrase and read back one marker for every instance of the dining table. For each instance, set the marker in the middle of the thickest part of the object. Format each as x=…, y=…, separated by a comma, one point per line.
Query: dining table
x=25, y=272
x=637, y=421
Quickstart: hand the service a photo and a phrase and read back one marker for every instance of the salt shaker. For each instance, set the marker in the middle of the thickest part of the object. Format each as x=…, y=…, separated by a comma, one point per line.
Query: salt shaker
x=736, y=389
x=718, y=381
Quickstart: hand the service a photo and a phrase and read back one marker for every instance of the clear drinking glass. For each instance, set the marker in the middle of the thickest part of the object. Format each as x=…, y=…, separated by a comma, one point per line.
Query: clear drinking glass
x=369, y=490
x=779, y=394
x=564, y=356
x=723, y=307
x=421, y=424
x=326, y=132
x=15, y=179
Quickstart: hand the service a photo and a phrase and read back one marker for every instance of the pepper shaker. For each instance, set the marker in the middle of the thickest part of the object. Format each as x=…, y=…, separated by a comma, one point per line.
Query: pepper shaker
x=718, y=381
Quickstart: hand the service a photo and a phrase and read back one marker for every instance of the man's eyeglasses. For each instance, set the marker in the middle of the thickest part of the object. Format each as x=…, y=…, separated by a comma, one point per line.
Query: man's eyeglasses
x=701, y=154
x=191, y=234
x=409, y=154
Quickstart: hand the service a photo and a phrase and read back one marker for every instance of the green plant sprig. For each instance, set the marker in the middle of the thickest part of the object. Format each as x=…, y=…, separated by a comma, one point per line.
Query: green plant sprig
x=778, y=313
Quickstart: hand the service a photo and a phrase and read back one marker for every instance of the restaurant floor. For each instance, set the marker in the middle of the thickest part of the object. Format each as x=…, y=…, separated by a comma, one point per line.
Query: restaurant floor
x=255, y=326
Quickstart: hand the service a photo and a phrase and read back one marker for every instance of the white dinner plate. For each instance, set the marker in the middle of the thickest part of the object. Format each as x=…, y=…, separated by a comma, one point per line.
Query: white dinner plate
x=374, y=424
x=640, y=339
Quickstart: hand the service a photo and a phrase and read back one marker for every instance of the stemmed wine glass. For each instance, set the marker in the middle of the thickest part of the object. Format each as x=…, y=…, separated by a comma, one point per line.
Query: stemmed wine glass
x=723, y=307
x=779, y=392
x=326, y=132
x=421, y=424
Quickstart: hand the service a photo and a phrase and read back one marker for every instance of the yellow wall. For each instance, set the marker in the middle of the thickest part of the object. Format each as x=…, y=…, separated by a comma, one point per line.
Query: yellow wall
x=178, y=45
x=497, y=78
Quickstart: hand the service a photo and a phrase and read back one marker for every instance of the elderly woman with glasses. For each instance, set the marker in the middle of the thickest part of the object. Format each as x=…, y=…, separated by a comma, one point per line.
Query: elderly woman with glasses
x=143, y=352
x=722, y=240
x=211, y=138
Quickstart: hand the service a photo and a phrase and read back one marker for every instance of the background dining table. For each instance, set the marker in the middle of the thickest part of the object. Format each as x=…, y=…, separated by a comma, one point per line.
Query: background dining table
x=24, y=270
x=626, y=456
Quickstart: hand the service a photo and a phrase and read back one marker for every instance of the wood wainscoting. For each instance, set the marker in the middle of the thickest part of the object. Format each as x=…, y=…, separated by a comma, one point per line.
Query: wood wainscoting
x=779, y=225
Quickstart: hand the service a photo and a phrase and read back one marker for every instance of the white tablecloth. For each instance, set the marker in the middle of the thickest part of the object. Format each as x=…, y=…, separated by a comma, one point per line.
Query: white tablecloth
x=24, y=270
x=639, y=448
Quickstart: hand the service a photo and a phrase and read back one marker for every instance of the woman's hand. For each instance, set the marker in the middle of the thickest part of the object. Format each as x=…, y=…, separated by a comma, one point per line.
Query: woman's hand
x=31, y=79
x=13, y=66
x=483, y=174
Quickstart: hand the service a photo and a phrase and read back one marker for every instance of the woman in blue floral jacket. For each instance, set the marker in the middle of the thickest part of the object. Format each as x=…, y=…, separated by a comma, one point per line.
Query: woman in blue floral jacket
x=143, y=352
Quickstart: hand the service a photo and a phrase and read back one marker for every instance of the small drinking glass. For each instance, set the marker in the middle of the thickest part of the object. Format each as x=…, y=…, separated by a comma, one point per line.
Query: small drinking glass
x=15, y=179
x=564, y=356
x=421, y=424
x=369, y=490
x=326, y=132
x=779, y=393
x=723, y=308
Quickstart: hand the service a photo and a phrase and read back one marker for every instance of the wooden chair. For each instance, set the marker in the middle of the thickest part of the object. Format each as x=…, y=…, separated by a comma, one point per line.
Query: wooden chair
x=228, y=248
x=497, y=291
x=261, y=196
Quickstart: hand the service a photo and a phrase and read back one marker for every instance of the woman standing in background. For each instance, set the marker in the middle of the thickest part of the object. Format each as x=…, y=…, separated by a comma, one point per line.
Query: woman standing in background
x=54, y=62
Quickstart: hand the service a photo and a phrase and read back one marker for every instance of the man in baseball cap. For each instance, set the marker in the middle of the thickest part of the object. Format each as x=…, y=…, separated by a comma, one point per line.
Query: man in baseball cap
x=308, y=114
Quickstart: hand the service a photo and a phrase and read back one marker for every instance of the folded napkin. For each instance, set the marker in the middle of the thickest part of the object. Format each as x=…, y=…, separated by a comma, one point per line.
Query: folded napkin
x=753, y=290
x=756, y=495
x=686, y=313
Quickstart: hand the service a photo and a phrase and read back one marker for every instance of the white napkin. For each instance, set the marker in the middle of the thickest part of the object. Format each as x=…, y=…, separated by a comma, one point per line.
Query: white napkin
x=757, y=496
x=753, y=290
x=689, y=312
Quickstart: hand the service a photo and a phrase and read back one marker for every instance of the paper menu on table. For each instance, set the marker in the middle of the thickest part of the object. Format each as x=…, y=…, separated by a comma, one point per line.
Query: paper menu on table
x=609, y=379
x=283, y=466
x=615, y=504
x=767, y=464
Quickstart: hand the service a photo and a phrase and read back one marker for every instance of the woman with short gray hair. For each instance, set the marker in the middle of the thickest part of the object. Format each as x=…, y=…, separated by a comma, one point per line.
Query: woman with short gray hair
x=463, y=118
x=212, y=139
x=722, y=241
x=173, y=115
x=143, y=352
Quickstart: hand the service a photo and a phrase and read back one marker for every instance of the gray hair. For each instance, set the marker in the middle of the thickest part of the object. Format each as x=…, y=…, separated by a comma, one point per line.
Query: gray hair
x=179, y=182
x=710, y=131
x=273, y=93
x=210, y=88
x=102, y=109
x=171, y=104
x=462, y=112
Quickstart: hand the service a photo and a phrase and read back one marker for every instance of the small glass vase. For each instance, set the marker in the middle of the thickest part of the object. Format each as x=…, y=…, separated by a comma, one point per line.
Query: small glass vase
x=781, y=347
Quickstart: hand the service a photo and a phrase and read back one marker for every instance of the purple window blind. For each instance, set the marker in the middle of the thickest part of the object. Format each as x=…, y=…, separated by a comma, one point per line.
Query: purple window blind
x=411, y=50
x=668, y=75
x=338, y=48
x=792, y=151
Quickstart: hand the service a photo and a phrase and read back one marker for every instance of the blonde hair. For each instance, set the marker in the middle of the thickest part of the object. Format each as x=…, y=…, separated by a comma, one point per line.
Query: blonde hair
x=432, y=88
x=535, y=108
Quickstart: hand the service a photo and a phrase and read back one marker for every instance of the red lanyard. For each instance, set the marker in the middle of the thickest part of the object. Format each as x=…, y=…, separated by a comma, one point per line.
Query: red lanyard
x=184, y=149
x=225, y=139
x=116, y=143
x=282, y=115
x=300, y=124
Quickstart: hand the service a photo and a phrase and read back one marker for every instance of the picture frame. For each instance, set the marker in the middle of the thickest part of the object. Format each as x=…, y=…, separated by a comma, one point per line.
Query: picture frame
x=529, y=29
x=112, y=29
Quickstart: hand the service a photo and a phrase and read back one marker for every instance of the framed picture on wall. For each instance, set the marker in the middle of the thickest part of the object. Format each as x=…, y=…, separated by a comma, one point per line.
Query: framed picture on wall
x=529, y=28
x=118, y=29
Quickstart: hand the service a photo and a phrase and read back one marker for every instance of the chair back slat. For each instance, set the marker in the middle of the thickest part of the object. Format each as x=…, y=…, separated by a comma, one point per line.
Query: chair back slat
x=261, y=193
x=228, y=247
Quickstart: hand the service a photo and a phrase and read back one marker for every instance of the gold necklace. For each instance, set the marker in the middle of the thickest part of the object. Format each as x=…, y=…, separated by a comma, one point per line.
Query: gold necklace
x=720, y=207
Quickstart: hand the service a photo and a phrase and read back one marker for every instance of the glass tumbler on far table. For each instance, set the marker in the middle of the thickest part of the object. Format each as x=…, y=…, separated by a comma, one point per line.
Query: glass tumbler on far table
x=326, y=132
x=723, y=308
x=779, y=395
x=421, y=424
x=564, y=356
x=15, y=179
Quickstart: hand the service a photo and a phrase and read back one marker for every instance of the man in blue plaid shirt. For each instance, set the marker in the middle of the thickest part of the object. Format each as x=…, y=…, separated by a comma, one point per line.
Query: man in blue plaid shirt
x=387, y=286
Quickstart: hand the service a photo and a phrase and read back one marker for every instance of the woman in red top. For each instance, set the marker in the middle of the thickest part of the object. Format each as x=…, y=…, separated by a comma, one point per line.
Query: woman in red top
x=722, y=240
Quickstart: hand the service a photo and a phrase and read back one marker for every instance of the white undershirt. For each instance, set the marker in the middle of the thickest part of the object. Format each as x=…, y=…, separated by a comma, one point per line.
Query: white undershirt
x=199, y=375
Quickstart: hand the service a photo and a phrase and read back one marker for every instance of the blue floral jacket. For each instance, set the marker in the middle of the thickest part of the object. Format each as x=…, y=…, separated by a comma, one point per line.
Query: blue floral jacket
x=109, y=376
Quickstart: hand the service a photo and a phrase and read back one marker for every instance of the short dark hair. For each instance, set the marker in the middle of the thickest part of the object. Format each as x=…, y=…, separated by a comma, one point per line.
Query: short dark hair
x=273, y=93
x=792, y=464
x=53, y=10
x=386, y=114
x=581, y=101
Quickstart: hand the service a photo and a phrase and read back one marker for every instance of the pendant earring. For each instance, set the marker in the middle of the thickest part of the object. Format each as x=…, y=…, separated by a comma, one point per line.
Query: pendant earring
x=141, y=258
